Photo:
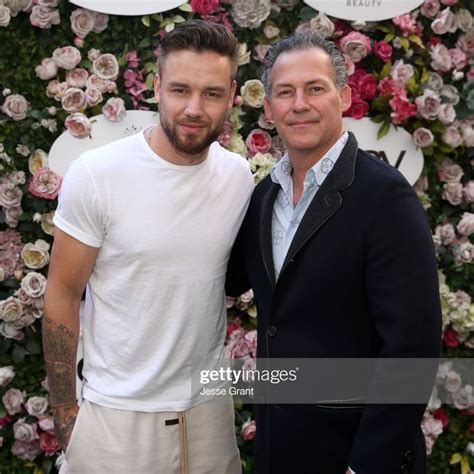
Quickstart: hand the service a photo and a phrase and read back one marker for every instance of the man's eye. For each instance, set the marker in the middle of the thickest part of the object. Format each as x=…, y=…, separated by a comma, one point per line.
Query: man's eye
x=316, y=89
x=284, y=93
x=179, y=91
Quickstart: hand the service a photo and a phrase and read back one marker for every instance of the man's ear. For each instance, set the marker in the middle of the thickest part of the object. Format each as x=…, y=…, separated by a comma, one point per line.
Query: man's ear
x=268, y=110
x=346, y=97
x=157, y=87
x=233, y=89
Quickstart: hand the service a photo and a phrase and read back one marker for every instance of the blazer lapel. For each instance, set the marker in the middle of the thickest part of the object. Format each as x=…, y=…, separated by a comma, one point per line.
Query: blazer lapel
x=327, y=201
x=266, y=230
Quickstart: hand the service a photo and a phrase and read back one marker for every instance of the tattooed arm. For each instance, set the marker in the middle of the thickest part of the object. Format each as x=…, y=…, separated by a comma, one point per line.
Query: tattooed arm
x=70, y=268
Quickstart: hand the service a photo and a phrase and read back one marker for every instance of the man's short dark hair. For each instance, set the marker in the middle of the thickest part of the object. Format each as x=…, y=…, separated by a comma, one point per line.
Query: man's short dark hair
x=300, y=42
x=200, y=36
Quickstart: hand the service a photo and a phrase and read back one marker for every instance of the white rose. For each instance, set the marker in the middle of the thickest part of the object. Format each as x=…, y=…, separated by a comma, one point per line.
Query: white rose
x=452, y=137
x=12, y=216
x=446, y=233
x=106, y=67
x=38, y=159
x=34, y=284
x=35, y=255
x=94, y=96
x=6, y=375
x=93, y=54
x=468, y=192
x=464, y=19
x=96, y=82
x=470, y=448
x=74, y=100
x=450, y=94
x=401, y=73
x=67, y=58
x=36, y=406
x=463, y=398
x=453, y=382
x=12, y=400
x=101, y=21
x=77, y=78
x=48, y=3
x=445, y=22
x=23, y=431
x=428, y=104
x=47, y=424
x=253, y=93
x=435, y=81
x=82, y=22
x=47, y=223
x=10, y=196
x=11, y=309
x=78, y=125
x=11, y=331
x=447, y=114
x=422, y=137
x=466, y=224
x=431, y=426
x=15, y=106
x=467, y=133
x=440, y=58
x=44, y=17
x=16, y=6
x=5, y=16
x=250, y=13
x=322, y=24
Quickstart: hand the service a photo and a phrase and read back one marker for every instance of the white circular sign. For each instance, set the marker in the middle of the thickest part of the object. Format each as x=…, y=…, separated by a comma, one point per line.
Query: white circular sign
x=365, y=10
x=128, y=7
x=396, y=148
x=67, y=148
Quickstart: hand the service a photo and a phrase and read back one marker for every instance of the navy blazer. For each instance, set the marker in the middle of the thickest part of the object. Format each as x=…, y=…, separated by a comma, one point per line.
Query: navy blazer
x=359, y=281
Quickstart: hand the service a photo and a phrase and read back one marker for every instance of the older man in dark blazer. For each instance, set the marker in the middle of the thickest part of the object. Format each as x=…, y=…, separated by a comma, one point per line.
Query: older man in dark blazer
x=338, y=251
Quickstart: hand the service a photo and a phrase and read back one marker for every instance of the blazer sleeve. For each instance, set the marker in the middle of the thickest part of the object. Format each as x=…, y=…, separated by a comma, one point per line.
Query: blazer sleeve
x=403, y=298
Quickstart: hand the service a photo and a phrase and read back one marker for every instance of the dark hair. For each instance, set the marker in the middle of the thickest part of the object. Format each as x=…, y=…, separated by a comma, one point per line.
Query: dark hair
x=299, y=42
x=200, y=36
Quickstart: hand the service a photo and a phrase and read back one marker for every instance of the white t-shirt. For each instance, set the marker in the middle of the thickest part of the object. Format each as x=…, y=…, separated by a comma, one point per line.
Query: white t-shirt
x=155, y=303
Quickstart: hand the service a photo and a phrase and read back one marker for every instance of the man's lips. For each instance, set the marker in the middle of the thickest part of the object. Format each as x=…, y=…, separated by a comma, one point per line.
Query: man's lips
x=192, y=127
x=302, y=123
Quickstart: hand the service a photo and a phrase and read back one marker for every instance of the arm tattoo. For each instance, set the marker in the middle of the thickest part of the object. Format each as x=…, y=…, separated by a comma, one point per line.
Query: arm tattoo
x=60, y=345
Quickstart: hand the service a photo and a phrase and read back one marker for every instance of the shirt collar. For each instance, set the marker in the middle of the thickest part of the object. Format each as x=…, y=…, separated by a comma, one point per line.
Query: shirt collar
x=281, y=171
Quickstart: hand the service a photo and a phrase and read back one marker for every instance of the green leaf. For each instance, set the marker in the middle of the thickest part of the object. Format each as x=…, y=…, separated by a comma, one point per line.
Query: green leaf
x=149, y=80
x=144, y=43
x=150, y=67
x=178, y=19
x=306, y=13
x=18, y=354
x=465, y=466
x=455, y=458
x=186, y=7
x=33, y=347
x=389, y=37
x=378, y=118
x=169, y=27
x=404, y=42
x=383, y=130
x=417, y=40
x=146, y=21
x=386, y=70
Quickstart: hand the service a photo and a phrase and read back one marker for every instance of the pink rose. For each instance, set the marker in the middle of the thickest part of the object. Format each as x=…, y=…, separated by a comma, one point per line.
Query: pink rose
x=449, y=3
x=248, y=431
x=204, y=7
x=10, y=196
x=114, y=109
x=78, y=42
x=401, y=73
x=23, y=431
x=363, y=83
x=463, y=252
x=45, y=184
x=48, y=443
x=464, y=19
x=422, y=137
x=36, y=406
x=6, y=375
x=56, y=89
x=428, y=104
x=82, y=22
x=74, y=100
x=356, y=45
x=452, y=192
x=78, y=124
x=468, y=192
x=466, y=43
x=13, y=400
x=440, y=58
x=445, y=22
x=26, y=451
x=258, y=141
x=67, y=58
x=358, y=108
x=450, y=172
x=466, y=224
x=349, y=64
x=93, y=96
x=15, y=106
x=458, y=58
x=401, y=107
x=260, y=51
x=446, y=233
x=452, y=137
x=47, y=424
x=383, y=50
x=406, y=23
x=387, y=86
x=106, y=67
x=430, y=8
x=47, y=69
x=77, y=78
x=44, y=17
x=447, y=114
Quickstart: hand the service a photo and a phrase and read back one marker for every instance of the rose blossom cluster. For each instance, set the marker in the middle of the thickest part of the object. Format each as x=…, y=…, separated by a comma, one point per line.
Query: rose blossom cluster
x=458, y=315
x=11, y=196
x=24, y=307
x=454, y=191
x=11, y=263
x=250, y=13
x=33, y=429
x=356, y=45
x=135, y=85
x=81, y=88
x=364, y=88
x=261, y=164
x=15, y=106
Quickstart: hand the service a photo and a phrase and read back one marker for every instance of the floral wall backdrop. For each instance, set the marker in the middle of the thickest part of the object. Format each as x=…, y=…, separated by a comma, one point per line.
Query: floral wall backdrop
x=61, y=65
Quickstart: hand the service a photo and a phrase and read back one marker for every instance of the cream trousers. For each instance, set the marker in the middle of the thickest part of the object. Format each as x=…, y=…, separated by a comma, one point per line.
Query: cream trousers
x=200, y=440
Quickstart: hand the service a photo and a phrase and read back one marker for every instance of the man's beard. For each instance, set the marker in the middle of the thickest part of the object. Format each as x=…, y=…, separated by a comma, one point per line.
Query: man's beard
x=190, y=144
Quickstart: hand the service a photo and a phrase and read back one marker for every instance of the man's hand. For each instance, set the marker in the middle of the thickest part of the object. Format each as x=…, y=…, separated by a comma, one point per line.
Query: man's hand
x=64, y=421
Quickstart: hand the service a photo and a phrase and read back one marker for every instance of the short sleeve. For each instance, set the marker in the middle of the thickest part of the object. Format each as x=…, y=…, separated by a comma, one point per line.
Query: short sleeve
x=79, y=213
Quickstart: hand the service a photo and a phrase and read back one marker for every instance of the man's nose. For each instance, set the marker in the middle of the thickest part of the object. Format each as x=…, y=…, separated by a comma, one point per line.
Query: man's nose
x=300, y=103
x=194, y=106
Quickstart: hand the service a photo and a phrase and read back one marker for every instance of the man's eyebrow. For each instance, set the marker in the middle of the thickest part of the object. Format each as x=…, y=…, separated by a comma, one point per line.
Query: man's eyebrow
x=308, y=83
x=178, y=84
x=186, y=86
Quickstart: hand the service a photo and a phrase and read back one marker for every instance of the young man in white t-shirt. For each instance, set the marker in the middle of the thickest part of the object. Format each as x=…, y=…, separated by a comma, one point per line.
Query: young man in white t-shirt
x=145, y=225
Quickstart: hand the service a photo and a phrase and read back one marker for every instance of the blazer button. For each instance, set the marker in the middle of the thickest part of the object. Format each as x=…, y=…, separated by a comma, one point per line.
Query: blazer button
x=271, y=331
